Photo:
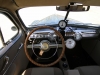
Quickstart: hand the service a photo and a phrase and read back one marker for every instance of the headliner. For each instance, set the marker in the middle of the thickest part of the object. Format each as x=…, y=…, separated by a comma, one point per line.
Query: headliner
x=27, y=3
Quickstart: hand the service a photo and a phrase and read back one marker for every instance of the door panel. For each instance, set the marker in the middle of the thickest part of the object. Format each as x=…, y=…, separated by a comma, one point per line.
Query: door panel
x=20, y=62
x=12, y=57
x=17, y=59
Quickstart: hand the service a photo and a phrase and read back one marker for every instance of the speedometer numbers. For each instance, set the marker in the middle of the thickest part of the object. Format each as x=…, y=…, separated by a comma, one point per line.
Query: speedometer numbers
x=62, y=24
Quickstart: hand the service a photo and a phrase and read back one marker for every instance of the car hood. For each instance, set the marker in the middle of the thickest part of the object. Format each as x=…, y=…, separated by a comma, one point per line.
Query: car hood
x=53, y=19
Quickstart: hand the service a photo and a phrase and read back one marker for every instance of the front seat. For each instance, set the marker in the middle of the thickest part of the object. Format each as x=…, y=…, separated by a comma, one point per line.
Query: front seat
x=43, y=71
x=89, y=70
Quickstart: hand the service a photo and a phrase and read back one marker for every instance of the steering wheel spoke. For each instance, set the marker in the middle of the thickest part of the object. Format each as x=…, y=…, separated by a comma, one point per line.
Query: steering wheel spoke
x=29, y=46
x=51, y=46
x=34, y=46
x=55, y=46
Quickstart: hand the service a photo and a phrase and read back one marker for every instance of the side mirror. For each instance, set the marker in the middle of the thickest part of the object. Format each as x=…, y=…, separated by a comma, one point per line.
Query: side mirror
x=14, y=28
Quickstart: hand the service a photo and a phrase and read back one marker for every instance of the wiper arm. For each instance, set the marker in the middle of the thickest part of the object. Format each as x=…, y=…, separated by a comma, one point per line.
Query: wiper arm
x=88, y=24
x=36, y=25
x=83, y=23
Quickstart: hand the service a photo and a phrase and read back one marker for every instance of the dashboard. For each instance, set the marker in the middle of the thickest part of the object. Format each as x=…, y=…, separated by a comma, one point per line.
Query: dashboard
x=71, y=34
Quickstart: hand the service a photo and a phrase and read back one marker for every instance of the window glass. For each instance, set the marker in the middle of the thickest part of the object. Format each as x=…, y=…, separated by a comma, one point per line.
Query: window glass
x=48, y=15
x=9, y=30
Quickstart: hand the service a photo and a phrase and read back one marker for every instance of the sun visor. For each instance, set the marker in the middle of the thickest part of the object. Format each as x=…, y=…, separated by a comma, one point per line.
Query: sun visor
x=27, y=3
x=88, y=2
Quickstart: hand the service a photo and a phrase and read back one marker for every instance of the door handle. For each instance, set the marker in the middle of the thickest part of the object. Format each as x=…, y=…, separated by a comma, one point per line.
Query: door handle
x=21, y=45
x=6, y=62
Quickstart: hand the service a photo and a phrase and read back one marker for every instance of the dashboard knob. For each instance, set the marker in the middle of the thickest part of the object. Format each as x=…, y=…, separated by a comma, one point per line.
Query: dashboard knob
x=65, y=65
x=78, y=36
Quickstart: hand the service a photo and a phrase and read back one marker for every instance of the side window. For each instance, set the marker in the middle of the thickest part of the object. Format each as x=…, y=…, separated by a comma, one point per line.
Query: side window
x=8, y=29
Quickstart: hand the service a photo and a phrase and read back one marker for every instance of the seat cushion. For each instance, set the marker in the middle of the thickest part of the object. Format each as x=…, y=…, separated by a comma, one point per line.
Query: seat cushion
x=71, y=72
x=43, y=71
x=89, y=70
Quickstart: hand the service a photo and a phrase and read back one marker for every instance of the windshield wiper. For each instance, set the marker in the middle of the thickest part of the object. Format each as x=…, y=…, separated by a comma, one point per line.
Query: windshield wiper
x=42, y=25
x=83, y=23
x=36, y=25
x=87, y=24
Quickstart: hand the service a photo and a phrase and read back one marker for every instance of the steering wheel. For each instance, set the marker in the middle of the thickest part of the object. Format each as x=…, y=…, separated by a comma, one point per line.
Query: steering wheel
x=45, y=46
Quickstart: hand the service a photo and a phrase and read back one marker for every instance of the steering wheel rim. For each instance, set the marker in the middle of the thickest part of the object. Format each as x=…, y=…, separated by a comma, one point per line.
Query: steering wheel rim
x=44, y=65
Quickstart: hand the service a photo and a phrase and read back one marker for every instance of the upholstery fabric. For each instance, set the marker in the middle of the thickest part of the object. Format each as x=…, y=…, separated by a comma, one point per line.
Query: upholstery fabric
x=89, y=70
x=43, y=71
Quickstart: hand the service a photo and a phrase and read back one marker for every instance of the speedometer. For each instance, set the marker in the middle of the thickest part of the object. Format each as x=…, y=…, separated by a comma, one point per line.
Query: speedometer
x=62, y=24
x=70, y=43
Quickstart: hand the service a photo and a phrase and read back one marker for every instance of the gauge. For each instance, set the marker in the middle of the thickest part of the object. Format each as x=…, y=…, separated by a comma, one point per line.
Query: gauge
x=78, y=36
x=62, y=24
x=70, y=43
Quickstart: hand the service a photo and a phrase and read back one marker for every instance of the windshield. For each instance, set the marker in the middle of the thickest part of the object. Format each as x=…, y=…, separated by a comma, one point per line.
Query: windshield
x=48, y=15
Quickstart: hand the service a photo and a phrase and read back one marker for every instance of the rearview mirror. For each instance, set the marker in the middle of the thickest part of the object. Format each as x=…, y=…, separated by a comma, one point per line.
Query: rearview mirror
x=73, y=7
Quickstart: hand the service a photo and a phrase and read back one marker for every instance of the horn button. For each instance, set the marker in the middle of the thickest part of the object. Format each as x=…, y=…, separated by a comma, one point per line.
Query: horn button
x=45, y=45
